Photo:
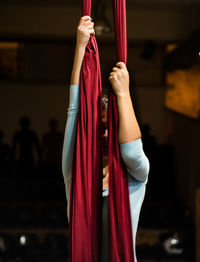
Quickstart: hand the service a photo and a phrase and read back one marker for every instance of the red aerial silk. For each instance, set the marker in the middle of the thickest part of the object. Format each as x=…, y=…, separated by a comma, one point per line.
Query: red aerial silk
x=86, y=177
x=121, y=243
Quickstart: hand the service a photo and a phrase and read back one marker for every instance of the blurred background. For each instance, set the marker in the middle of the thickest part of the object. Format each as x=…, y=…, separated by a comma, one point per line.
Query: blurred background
x=37, y=42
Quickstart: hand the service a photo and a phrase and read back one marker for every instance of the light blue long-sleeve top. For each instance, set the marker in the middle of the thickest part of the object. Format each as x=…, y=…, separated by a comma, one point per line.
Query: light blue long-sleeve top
x=136, y=162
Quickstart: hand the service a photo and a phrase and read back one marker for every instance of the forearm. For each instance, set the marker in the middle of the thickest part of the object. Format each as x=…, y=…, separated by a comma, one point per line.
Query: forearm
x=70, y=132
x=84, y=31
x=129, y=129
x=78, y=59
x=128, y=126
x=131, y=146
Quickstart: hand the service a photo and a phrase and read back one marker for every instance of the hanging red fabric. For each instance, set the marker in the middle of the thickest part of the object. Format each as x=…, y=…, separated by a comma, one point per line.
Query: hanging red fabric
x=86, y=177
x=121, y=241
x=85, y=189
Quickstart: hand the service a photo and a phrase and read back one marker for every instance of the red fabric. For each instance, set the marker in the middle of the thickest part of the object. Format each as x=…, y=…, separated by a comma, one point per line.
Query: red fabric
x=121, y=242
x=86, y=178
x=85, y=191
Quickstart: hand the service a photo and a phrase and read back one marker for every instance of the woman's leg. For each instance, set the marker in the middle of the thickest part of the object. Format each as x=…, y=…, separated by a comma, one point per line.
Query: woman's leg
x=105, y=230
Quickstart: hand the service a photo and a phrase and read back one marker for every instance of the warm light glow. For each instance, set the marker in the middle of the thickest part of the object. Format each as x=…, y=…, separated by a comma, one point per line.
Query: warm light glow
x=9, y=45
x=183, y=92
x=171, y=47
x=9, y=62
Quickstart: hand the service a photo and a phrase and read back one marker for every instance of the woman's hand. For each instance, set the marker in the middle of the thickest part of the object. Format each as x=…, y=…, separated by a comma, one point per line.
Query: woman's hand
x=84, y=30
x=128, y=126
x=119, y=79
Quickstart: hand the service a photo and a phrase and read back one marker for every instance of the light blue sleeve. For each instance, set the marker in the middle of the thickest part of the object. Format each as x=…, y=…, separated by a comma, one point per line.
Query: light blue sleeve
x=69, y=137
x=135, y=159
x=132, y=153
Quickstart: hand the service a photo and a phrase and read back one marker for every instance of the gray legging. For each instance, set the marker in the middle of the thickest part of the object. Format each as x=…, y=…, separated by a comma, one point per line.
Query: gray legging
x=105, y=230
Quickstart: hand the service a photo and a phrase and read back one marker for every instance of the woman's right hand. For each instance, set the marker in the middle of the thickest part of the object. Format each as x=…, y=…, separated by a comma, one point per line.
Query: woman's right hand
x=84, y=30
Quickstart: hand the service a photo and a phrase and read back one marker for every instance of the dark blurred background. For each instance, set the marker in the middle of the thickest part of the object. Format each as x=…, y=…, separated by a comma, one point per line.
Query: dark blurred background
x=37, y=41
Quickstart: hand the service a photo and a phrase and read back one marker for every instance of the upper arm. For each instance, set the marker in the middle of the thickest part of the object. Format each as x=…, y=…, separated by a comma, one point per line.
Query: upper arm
x=135, y=159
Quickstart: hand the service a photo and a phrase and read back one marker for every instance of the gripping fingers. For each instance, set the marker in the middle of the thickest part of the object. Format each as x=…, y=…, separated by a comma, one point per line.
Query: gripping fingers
x=121, y=65
x=85, y=18
x=115, y=69
x=87, y=23
x=110, y=78
x=90, y=27
x=91, y=31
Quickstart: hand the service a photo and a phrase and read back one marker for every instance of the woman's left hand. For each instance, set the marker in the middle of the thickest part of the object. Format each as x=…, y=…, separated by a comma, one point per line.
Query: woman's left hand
x=119, y=79
x=84, y=31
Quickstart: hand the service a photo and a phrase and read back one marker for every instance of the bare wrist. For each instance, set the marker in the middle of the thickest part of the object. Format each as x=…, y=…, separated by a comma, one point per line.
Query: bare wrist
x=123, y=95
x=80, y=46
